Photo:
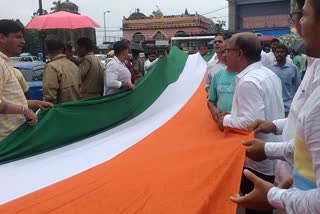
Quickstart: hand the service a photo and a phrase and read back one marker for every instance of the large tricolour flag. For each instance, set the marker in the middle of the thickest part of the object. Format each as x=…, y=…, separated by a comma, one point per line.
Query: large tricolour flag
x=154, y=150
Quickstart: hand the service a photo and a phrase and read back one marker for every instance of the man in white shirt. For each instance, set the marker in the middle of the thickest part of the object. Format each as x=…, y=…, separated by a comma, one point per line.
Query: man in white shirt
x=270, y=58
x=264, y=58
x=117, y=75
x=152, y=60
x=303, y=150
x=258, y=95
x=217, y=64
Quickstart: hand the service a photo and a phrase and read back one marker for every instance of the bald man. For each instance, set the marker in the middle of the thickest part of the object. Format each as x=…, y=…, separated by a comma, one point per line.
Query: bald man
x=258, y=95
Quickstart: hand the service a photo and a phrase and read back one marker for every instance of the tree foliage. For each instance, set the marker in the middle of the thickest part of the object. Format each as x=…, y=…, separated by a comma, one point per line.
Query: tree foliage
x=56, y=6
x=32, y=39
x=220, y=26
x=44, y=12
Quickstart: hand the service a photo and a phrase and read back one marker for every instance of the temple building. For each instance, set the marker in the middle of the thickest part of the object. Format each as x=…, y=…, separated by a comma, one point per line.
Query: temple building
x=158, y=29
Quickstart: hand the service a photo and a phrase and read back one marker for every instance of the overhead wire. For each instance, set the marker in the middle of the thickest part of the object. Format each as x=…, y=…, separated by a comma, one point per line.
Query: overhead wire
x=216, y=10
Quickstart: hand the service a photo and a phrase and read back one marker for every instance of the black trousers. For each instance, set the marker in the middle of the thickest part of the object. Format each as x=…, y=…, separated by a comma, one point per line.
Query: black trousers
x=247, y=186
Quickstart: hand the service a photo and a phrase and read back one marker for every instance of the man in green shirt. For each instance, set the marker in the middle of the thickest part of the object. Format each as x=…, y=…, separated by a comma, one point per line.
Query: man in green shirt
x=221, y=93
x=297, y=61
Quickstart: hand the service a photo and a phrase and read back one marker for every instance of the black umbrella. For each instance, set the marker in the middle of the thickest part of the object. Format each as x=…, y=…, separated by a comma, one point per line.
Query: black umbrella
x=135, y=46
x=298, y=46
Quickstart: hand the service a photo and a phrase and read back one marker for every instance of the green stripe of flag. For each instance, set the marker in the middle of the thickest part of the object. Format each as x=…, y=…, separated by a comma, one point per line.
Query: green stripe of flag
x=70, y=122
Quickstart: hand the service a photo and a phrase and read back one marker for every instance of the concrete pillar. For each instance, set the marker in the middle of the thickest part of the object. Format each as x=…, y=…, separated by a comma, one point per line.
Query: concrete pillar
x=292, y=6
x=232, y=15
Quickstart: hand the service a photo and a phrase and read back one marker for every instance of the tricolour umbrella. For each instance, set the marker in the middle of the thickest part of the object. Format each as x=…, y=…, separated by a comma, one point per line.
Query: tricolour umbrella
x=289, y=39
x=61, y=20
x=298, y=46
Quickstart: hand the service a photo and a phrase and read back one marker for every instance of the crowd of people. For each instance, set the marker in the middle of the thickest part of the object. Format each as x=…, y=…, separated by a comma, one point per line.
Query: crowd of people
x=247, y=89
x=65, y=77
x=263, y=92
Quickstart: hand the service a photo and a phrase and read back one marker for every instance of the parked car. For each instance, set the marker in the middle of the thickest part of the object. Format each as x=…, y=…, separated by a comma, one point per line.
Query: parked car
x=16, y=59
x=33, y=74
x=29, y=58
x=24, y=58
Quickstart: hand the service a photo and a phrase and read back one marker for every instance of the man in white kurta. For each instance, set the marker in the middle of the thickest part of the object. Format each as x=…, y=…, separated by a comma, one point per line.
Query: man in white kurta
x=258, y=95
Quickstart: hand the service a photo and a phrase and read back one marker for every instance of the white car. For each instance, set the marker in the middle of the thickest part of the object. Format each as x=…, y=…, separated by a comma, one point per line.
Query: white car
x=102, y=58
x=24, y=59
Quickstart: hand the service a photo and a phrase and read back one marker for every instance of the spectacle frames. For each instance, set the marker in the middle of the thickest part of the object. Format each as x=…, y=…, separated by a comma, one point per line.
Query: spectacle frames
x=217, y=41
x=294, y=15
x=228, y=50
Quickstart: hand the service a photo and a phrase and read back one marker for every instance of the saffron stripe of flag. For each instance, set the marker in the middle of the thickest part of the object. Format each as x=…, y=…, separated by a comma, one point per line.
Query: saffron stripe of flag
x=169, y=159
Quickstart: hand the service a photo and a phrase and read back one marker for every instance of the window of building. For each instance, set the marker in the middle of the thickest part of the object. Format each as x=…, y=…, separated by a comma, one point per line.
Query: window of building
x=159, y=36
x=180, y=33
x=138, y=37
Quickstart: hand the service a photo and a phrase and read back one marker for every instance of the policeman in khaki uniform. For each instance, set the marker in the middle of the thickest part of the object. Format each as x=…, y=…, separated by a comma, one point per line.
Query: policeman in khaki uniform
x=61, y=77
x=91, y=70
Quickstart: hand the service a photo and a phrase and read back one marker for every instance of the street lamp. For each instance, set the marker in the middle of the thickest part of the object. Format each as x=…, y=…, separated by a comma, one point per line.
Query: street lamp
x=104, y=24
x=42, y=33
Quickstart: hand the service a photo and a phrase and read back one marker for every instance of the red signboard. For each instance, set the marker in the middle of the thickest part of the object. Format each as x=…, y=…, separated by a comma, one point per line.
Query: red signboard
x=253, y=22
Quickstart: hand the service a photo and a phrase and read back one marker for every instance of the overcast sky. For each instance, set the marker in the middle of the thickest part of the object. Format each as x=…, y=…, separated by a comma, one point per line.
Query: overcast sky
x=23, y=10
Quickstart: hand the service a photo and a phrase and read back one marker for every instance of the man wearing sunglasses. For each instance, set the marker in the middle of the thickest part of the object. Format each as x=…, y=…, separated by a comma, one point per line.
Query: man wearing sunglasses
x=221, y=92
x=218, y=62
